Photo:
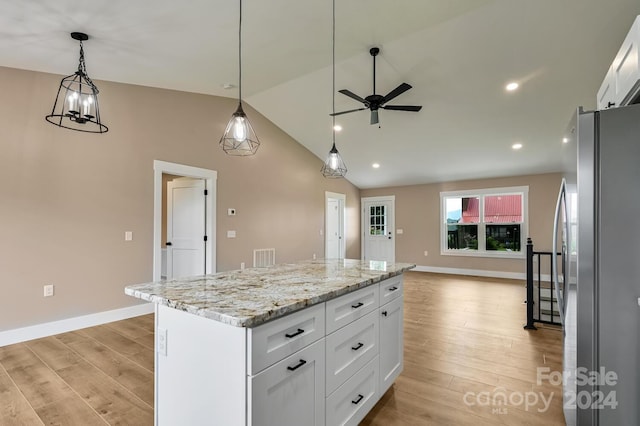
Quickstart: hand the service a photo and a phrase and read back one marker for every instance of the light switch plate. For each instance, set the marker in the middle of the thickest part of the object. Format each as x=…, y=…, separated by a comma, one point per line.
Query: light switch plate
x=128, y=236
x=231, y=234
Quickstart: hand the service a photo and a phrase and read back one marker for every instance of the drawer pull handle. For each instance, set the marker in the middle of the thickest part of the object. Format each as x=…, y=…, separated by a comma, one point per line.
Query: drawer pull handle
x=393, y=288
x=300, y=331
x=295, y=367
x=384, y=313
x=357, y=305
x=358, y=346
x=357, y=401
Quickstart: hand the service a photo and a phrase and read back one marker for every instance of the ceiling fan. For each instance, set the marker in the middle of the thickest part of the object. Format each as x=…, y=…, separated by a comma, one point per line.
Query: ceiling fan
x=375, y=102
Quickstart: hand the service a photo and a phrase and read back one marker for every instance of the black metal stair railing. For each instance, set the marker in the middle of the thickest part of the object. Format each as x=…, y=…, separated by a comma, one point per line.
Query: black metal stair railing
x=539, y=291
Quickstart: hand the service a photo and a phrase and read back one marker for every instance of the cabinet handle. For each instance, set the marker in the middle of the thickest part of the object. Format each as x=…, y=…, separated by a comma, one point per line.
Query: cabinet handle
x=393, y=288
x=384, y=313
x=357, y=400
x=358, y=346
x=295, y=367
x=357, y=305
x=300, y=331
x=610, y=104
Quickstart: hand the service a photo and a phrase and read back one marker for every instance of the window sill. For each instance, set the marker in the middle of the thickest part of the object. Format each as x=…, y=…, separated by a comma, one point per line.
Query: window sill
x=492, y=255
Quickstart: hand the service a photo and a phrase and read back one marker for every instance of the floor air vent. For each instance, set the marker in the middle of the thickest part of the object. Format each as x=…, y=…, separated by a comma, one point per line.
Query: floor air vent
x=264, y=257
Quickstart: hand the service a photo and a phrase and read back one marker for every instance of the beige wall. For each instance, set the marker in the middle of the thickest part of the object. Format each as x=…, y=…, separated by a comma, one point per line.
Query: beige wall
x=66, y=198
x=418, y=214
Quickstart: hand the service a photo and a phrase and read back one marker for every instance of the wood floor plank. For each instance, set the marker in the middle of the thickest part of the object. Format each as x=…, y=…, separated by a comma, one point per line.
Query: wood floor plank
x=14, y=408
x=71, y=410
x=115, y=404
x=128, y=329
x=125, y=346
x=124, y=371
x=37, y=382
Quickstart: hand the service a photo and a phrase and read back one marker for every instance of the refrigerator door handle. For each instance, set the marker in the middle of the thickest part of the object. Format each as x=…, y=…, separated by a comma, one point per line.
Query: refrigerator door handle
x=554, y=260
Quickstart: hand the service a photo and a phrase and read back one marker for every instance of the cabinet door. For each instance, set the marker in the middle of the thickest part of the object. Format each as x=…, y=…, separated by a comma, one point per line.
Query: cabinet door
x=607, y=93
x=290, y=392
x=391, y=342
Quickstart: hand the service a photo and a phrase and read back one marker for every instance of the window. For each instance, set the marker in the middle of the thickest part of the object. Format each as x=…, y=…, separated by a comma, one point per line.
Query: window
x=487, y=222
x=378, y=220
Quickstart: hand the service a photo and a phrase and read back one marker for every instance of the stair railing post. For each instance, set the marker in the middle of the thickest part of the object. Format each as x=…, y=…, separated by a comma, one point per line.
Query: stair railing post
x=529, y=325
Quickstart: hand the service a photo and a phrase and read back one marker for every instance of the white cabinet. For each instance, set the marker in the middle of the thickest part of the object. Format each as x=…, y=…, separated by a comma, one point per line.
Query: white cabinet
x=327, y=364
x=271, y=342
x=355, y=398
x=350, y=348
x=290, y=392
x=621, y=85
x=391, y=342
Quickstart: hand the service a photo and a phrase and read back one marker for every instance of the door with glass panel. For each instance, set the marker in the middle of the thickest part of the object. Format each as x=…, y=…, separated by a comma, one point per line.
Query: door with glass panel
x=378, y=229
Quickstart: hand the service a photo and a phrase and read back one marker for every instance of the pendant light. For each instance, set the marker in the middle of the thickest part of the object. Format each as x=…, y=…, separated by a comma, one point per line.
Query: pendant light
x=76, y=105
x=334, y=166
x=239, y=137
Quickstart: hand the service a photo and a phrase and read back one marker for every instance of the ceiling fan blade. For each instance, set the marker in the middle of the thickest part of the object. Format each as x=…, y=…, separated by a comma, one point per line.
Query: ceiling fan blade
x=414, y=108
x=374, y=116
x=396, y=92
x=352, y=95
x=346, y=112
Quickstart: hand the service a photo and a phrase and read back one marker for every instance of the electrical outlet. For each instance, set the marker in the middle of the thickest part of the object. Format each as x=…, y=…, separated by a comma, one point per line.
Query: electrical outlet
x=426, y=253
x=128, y=236
x=314, y=256
x=242, y=266
x=48, y=290
x=162, y=341
x=400, y=231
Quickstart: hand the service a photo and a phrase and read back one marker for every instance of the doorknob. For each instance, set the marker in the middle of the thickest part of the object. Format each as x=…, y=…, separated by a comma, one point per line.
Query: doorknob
x=169, y=243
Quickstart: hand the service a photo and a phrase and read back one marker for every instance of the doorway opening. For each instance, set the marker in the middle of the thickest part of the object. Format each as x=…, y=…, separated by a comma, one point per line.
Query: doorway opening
x=188, y=182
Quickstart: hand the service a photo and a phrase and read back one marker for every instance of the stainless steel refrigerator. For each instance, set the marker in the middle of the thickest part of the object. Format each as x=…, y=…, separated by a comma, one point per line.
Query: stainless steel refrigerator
x=597, y=233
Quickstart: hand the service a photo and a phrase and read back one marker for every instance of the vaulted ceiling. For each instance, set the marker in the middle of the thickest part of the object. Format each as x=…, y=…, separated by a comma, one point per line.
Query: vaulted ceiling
x=457, y=54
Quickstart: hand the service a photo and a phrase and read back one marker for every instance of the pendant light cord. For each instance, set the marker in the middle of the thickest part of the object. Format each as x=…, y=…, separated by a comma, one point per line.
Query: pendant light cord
x=240, y=56
x=333, y=58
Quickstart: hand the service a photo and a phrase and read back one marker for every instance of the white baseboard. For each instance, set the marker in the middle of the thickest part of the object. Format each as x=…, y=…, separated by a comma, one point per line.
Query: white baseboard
x=23, y=334
x=478, y=273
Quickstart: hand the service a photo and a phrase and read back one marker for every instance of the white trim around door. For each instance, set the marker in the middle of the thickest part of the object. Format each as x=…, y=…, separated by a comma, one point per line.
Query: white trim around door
x=210, y=177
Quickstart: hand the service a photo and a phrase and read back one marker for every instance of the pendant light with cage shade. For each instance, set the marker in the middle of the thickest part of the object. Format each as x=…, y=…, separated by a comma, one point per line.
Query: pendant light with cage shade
x=76, y=105
x=334, y=166
x=239, y=138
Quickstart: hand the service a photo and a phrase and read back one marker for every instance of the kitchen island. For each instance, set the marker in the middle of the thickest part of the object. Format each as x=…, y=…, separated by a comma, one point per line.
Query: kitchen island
x=315, y=342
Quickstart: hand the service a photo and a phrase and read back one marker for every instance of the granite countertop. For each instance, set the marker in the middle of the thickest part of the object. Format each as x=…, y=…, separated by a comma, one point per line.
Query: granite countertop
x=250, y=297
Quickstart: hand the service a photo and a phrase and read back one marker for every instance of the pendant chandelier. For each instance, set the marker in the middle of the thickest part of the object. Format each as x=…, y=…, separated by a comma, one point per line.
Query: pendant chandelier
x=239, y=137
x=76, y=105
x=334, y=166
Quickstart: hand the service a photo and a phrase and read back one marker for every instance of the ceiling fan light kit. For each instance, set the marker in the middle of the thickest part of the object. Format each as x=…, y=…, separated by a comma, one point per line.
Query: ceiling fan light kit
x=376, y=102
x=334, y=166
x=76, y=105
x=239, y=138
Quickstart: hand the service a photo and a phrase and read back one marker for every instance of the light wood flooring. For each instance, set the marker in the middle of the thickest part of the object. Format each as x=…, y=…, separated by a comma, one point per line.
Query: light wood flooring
x=463, y=342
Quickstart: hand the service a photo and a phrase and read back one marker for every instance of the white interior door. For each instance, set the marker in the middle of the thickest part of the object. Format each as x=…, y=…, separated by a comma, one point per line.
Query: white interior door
x=186, y=227
x=378, y=229
x=334, y=229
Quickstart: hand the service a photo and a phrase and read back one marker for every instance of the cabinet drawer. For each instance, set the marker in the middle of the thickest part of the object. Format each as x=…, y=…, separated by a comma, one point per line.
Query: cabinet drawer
x=275, y=340
x=350, y=348
x=353, y=400
x=350, y=307
x=390, y=289
x=290, y=392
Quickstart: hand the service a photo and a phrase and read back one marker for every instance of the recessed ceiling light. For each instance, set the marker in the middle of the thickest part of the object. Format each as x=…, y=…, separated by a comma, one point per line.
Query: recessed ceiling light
x=565, y=140
x=337, y=127
x=512, y=86
x=375, y=165
x=516, y=146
